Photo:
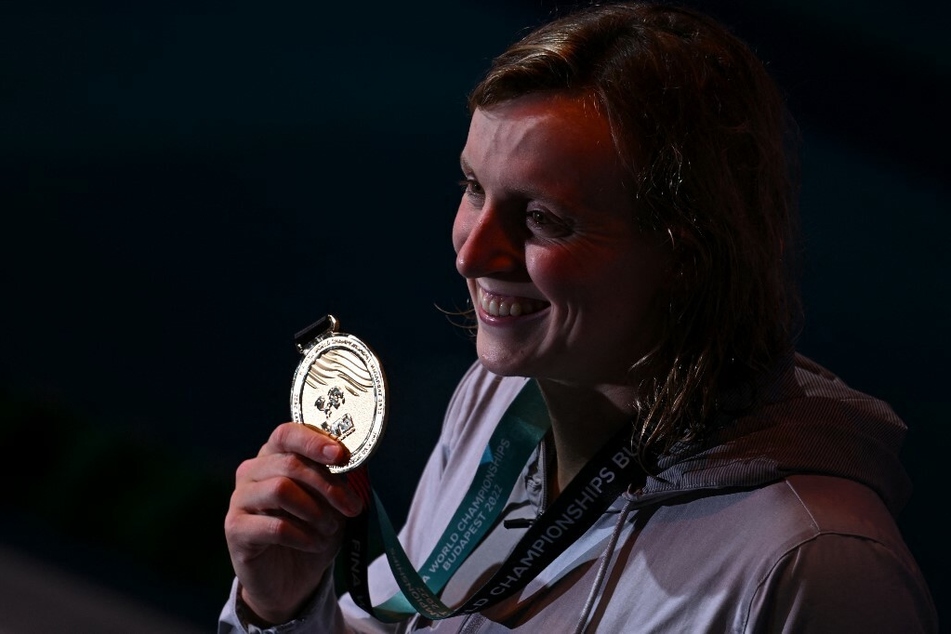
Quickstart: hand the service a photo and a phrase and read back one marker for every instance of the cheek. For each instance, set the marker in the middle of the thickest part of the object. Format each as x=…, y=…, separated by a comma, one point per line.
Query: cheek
x=562, y=278
x=568, y=269
x=600, y=280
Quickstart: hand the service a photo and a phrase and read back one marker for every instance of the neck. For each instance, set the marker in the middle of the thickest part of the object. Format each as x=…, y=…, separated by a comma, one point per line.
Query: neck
x=582, y=420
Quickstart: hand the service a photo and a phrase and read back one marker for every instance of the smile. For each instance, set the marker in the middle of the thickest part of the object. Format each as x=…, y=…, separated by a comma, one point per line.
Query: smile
x=499, y=306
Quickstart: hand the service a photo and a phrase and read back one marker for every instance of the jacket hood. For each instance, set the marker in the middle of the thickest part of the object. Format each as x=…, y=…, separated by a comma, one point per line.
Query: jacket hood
x=811, y=423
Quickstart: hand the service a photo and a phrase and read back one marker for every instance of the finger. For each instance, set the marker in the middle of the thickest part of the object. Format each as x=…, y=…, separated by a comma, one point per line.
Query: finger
x=308, y=441
x=252, y=532
x=285, y=497
x=283, y=478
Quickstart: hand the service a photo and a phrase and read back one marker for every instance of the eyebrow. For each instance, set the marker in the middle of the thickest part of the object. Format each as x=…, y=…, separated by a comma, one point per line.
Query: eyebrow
x=470, y=172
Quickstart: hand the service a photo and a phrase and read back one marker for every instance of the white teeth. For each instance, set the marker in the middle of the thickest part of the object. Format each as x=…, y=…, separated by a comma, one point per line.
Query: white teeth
x=506, y=308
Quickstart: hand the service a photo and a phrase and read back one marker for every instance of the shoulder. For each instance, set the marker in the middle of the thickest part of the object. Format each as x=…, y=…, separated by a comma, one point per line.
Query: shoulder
x=779, y=518
x=809, y=553
x=836, y=558
x=754, y=528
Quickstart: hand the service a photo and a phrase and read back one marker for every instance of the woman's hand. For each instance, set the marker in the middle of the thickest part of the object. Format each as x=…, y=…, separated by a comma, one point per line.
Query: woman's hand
x=286, y=519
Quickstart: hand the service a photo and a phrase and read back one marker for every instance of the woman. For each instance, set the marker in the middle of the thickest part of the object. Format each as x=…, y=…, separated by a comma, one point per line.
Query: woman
x=626, y=232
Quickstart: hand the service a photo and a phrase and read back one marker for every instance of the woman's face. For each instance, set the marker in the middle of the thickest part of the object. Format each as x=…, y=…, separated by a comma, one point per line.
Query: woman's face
x=565, y=286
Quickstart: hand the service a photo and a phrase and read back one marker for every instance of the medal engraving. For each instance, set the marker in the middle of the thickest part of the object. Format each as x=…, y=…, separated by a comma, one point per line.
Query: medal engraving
x=339, y=388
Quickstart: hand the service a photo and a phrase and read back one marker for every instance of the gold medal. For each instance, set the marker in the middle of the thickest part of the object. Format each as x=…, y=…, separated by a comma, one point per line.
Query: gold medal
x=339, y=387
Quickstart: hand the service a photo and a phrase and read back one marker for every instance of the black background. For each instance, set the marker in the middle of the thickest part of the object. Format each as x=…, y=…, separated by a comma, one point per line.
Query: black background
x=184, y=185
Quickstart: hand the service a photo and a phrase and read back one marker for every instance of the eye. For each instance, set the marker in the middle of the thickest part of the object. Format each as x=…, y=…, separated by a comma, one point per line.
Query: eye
x=471, y=187
x=546, y=223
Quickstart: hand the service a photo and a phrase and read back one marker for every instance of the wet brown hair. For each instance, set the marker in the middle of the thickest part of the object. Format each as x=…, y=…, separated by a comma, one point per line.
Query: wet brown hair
x=704, y=133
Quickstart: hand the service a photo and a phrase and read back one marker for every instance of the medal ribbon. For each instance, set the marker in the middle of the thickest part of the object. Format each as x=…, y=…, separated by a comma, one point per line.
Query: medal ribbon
x=585, y=499
x=523, y=425
x=521, y=428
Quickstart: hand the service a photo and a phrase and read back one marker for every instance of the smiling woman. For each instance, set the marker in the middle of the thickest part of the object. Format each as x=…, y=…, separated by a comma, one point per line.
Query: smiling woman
x=546, y=222
x=638, y=446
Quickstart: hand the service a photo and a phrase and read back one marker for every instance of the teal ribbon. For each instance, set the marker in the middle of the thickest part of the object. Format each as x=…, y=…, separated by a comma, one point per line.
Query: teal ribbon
x=518, y=433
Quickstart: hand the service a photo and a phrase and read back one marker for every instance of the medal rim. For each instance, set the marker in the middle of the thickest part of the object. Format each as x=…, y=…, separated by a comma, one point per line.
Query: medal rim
x=370, y=443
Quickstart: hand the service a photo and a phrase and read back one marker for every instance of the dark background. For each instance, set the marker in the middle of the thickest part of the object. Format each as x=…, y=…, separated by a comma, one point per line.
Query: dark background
x=184, y=185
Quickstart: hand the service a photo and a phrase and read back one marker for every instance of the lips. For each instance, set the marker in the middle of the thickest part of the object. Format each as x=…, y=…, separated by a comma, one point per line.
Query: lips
x=508, y=306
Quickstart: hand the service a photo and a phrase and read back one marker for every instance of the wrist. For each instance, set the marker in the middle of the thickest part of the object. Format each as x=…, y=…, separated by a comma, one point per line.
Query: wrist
x=253, y=613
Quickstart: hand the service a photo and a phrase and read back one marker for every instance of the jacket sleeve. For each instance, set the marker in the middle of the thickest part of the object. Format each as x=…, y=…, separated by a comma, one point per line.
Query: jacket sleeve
x=320, y=615
x=844, y=583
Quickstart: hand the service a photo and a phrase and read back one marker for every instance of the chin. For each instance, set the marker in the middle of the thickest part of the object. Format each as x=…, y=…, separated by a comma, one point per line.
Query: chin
x=501, y=369
x=502, y=362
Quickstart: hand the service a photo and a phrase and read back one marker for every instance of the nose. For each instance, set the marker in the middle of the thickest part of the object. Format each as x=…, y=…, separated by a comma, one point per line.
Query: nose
x=485, y=243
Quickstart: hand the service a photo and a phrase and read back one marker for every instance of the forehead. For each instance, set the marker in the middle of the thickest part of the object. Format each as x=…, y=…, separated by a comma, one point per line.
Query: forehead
x=573, y=123
x=544, y=137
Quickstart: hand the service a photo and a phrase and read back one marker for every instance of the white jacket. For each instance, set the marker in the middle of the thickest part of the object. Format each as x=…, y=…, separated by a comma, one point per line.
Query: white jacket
x=783, y=523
